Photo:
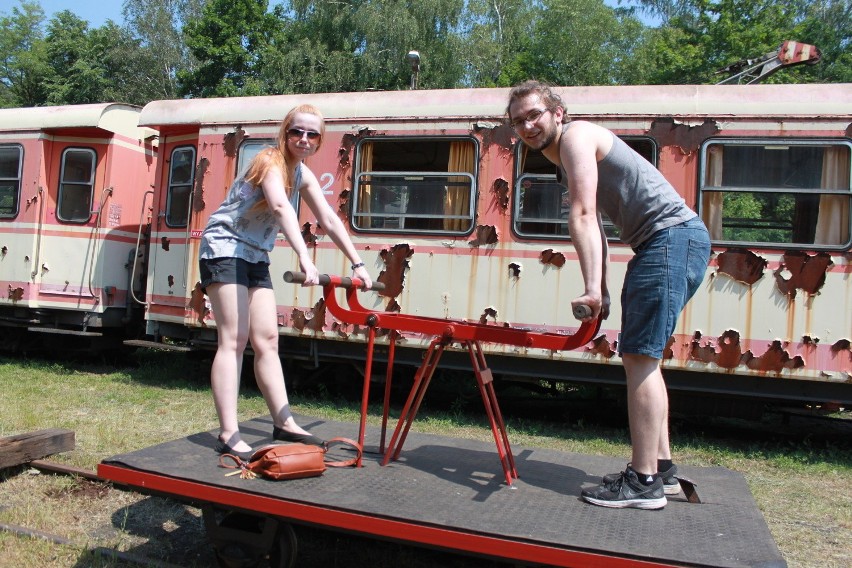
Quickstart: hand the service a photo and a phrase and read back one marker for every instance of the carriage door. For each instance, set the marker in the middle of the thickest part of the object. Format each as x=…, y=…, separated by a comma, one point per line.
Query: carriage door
x=168, y=285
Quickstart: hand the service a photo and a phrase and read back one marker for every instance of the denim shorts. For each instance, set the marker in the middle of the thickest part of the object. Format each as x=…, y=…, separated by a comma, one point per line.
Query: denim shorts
x=665, y=272
x=234, y=271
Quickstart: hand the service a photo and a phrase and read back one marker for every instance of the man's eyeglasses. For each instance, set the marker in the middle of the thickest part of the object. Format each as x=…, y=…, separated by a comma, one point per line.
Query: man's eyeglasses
x=298, y=133
x=531, y=118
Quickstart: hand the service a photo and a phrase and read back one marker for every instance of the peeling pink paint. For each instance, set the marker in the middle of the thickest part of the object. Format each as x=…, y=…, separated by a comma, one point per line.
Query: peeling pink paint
x=548, y=256
x=307, y=236
x=775, y=359
x=396, y=262
x=198, y=188
x=16, y=294
x=232, y=140
x=500, y=191
x=688, y=138
x=313, y=320
x=601, y=346
x=485, y=235
x=488, y=313
x=807, y=272
x=741, y=265
x=198, y=305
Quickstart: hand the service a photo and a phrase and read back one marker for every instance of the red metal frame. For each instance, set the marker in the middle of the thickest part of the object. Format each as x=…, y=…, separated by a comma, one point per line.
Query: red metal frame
x=395, y=529
x=445, y=332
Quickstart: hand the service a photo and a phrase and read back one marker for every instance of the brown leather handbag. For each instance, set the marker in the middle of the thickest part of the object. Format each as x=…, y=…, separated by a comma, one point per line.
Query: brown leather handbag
x=289, y=461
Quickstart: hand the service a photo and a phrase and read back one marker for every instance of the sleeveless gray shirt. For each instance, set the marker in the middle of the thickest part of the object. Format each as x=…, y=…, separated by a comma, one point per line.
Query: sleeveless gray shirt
x=635, y=195
x=235, y=231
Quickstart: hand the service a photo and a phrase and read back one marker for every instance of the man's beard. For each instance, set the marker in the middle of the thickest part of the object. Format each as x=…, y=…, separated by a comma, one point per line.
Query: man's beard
x=546, y=141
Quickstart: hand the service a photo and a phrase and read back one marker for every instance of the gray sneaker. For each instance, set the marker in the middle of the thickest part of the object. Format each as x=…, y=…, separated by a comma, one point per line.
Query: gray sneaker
x=670, y=483
x=627, y=491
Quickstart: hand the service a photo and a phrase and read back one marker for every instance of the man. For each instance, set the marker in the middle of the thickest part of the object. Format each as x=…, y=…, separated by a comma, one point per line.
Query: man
x=672, y=248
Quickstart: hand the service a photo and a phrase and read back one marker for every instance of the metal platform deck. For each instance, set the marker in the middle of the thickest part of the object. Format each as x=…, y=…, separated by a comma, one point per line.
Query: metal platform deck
x=450, y=494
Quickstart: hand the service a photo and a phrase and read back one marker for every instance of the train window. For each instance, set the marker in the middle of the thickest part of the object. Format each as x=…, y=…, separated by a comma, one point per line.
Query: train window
x=541, y=203
x=11, y=163
x=181, y=177
x=783, y=193
x=415, y=185
x=248, y=151
x=76, y=183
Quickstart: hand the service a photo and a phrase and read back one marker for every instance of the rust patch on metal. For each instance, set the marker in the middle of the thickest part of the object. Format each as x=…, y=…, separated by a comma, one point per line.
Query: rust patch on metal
x=171, y=280
x=688, y=138
x=197, y=304
x=500, y=135
x=396, y=262
x=16, y=294
x=313, y=319
x=343, y=204
x=548, y=256
x=307, y=236
x=729, y=355
x=393, y=306
x=164, y=243
x=514, y=270
x=602, y=346
x=485, y=235
x=668, y=352
x=347, y=143
x=3, y=251
x=488, y=313
x=807, y=272
x=232, y=141
x=742, y=265
x=808, y=340
x=500, y=191
x=775, y=359
x=840, y=345
x=340, y=329
x=198, y=187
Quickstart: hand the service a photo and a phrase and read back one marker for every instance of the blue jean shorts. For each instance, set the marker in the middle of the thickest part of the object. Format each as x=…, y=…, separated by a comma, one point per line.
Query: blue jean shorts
x=234, y=271
x=665, y=272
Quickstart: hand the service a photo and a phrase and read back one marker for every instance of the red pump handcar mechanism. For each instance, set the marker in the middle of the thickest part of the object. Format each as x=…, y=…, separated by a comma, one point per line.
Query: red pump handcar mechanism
x=444, y=332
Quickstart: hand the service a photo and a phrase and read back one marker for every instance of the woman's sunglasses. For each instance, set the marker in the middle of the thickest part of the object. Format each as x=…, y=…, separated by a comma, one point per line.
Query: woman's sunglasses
x=298, y=133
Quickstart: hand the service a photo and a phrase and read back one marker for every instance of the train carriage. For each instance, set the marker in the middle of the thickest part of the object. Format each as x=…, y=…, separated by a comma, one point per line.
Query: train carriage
x=460, y=221
x=72, y=181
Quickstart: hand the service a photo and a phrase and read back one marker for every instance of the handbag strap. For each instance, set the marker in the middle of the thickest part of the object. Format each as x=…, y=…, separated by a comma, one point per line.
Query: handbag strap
x=345, y=441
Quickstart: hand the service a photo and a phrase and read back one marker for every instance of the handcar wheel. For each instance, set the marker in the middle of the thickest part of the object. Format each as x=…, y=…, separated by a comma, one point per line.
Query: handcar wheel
x=234, y=554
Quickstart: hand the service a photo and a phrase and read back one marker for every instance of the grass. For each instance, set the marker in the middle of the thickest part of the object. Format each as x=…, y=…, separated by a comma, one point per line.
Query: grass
x=801, y=481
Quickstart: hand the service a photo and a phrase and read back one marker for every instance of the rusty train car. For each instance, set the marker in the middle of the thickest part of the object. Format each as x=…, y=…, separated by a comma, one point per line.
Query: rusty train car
x=73, y=182
x=460, y=221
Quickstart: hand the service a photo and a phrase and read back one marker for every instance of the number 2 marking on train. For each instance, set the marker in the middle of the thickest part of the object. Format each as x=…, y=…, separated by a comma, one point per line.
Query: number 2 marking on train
x=325, y=188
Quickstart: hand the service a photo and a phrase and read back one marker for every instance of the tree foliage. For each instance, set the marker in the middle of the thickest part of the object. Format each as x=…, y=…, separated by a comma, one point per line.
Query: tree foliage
x=203, y=48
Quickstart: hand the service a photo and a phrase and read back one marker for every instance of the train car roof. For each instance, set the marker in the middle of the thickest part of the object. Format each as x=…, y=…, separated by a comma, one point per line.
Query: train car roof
x=118, y=118
x=816, y=100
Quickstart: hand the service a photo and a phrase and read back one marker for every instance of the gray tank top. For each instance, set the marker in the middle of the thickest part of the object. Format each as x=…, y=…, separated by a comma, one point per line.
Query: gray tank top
x=235, y=231
x=635, y=195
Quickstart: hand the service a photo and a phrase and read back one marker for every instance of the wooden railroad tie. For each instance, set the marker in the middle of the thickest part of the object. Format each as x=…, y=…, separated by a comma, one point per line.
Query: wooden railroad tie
x=25, y=448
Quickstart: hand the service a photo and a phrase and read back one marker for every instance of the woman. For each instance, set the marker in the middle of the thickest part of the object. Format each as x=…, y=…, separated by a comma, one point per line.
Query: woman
x=234, y=262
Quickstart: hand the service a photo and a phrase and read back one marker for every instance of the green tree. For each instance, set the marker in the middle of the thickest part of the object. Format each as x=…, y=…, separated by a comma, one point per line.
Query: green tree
x=23, y=57
x=716, y=33
x=158, y=25
x=91, y=65
x=578, y=42
x=229, y=40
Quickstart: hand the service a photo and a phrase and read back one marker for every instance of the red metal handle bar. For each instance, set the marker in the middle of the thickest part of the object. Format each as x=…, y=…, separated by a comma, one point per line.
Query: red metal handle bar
x=337, y=281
